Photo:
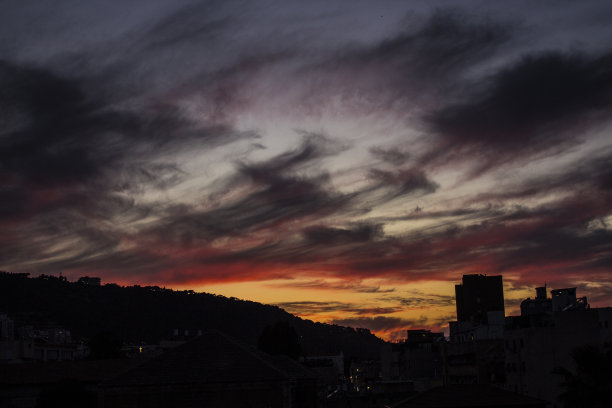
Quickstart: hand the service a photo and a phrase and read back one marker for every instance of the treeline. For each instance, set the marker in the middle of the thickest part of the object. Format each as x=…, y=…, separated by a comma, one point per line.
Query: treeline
x=147, y=314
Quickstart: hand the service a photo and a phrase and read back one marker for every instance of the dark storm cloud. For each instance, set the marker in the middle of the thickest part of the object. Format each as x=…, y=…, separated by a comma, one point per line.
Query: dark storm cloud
x=55, y=134
x=475, y=213
x=411, y=64
x=392, y=156
x=592, y=176
x=313, y=148
x=278, y=193
x=46, y=117
x=68, y=157
x=190, y=25
x=405, y=181
x=405, y=71
x=572, y=247
x=333, y=236
x=448, y=40
x=79, y=149
x=12, y=201
x=569, y=230
x=60, y=237
x=538, y=104
x=491, y=240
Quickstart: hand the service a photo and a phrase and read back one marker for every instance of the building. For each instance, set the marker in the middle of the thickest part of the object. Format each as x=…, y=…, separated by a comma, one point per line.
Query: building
x=474, y=362
x=565, y=299
x=329, y=369
x=538, y=343
x=538, y=306
x=418, y=359
x=520, y=353
x=30, y=344
x=468, y=396
x=363, y=375
x=9, y=347
x=23, y=385
x=213, y=370
x=478, y=295
x=475, y=352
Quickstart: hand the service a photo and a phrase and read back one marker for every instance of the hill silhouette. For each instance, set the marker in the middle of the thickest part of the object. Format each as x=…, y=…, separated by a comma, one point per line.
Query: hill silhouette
x=147, y=314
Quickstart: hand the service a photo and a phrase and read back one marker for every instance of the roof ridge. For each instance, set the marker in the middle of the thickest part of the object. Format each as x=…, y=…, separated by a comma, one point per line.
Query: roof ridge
x=254, y=352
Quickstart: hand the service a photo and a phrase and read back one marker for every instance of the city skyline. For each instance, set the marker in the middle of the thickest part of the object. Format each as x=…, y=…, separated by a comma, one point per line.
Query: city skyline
x=348, y=163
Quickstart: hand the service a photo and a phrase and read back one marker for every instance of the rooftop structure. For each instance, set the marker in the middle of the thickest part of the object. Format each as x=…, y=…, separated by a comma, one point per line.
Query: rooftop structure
x=213, y=370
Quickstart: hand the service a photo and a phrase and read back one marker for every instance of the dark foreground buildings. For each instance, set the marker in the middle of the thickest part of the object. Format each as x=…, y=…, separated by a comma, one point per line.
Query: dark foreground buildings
x=214, y=371
x=520, y=353
x=418, y=360
x=544, y=337
x=468, y=396
x=503, y=361
x=475, y=352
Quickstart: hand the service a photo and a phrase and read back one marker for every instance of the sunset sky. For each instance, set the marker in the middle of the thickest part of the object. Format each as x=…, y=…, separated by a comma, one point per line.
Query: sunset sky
x=348, y=161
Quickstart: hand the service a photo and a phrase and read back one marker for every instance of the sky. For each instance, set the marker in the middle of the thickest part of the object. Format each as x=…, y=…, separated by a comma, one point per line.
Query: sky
x=347, y=161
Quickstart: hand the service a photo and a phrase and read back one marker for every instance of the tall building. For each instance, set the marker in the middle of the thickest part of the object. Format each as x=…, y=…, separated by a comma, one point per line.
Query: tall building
x=475, y=353
x=478, y=295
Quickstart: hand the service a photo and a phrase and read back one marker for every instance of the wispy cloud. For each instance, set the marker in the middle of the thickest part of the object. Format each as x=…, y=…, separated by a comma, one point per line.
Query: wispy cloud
x=162, y=148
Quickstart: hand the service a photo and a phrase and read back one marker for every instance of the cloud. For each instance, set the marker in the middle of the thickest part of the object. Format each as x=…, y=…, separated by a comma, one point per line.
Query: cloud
x=392, y=156
x=72, y=162
x=276, y=192
x=422, y=300
x=536, y=105
x=322, y=235
x=405, y=181
x=56, y=133
x=313, y=148
x=320, y=284
x=98, y=150
x=313, y=307
x=381, y=323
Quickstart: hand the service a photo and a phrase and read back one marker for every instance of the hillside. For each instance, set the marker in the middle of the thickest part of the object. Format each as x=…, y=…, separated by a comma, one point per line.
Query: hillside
x=148, y=314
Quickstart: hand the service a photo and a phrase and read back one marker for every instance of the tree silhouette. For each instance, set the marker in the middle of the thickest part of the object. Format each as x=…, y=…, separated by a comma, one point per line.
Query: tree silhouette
x=280, y=338
x=147, y=314
x=591, y=385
